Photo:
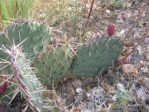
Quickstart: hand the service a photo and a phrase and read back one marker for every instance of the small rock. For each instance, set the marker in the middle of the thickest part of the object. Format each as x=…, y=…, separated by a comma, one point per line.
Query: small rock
x=135, y=72
x=139, y=49
x=141, y=93
x=76, y=83
x=120, y=87
x=76, y=110
x=129, y=69
x=146, y=53
x=146, y=41
x=146, y=82
x=141, y=63
x=79, y=90
x=89, y=34
x=147, y=49
x=145, y=70
x=146, y=56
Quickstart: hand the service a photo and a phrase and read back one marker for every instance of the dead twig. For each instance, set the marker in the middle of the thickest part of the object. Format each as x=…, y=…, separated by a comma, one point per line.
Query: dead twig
x=88, y=17
x=91, y=8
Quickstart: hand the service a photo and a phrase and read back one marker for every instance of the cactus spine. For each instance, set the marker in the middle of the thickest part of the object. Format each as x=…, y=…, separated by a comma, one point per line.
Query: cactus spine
x=27, y=82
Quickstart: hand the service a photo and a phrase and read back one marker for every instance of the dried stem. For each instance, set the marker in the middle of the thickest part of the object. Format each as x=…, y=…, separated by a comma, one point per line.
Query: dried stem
x=88, y=17
x=91, y=8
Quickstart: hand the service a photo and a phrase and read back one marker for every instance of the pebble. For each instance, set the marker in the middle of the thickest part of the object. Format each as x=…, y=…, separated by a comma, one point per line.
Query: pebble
x=129, y=69
x=79, y=90
x=141, y=93
x=146, y=82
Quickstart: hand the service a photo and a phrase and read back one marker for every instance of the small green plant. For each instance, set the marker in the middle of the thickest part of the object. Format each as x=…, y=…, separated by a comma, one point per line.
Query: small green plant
x=122, y=96
x=118, y=3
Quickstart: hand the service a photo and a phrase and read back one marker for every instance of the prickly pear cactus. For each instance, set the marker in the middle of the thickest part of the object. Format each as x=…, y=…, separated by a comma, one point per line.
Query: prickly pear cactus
x=55, y=65
x=96, y=57
x=27, y=82
x=35, y=36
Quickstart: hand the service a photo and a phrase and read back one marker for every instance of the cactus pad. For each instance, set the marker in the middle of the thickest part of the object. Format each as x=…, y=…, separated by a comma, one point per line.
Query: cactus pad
x=36, y=35
x=27, y=82
x=96, y=57
x=55, y=66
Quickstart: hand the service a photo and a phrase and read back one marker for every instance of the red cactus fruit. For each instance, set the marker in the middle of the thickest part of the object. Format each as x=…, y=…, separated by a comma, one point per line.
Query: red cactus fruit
x=111, y=29
x=3, y=87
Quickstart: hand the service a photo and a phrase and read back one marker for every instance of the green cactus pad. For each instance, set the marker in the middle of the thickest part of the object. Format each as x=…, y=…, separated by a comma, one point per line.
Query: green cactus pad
x=36, y=35
x=96, y=57
x=29, y=85
x=55, y=66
